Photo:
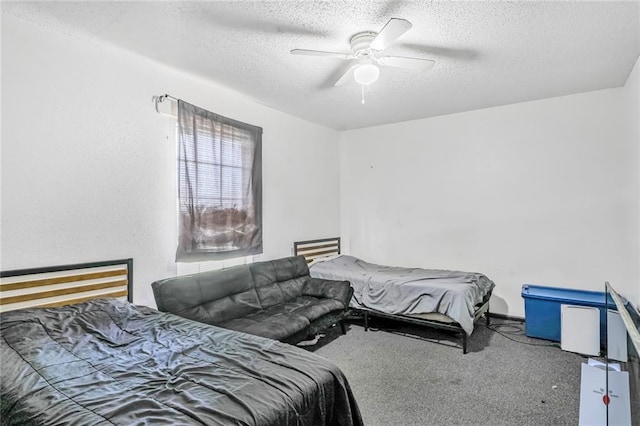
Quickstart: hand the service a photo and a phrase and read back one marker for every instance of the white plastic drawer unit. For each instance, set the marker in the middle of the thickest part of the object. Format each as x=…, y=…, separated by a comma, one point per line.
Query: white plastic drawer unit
x=580, y=329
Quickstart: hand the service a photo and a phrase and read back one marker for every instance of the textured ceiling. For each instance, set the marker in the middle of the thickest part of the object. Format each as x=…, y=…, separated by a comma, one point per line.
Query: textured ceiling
x=487, y=53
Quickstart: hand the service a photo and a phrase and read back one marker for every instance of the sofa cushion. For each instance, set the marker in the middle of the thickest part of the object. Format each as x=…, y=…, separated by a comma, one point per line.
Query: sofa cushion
x=209, y=297
x=276, y=325
x=278, y=281
x=284, y=269
x=330, y=289
x=311, y=307
x=286, y=319
x=229, y=307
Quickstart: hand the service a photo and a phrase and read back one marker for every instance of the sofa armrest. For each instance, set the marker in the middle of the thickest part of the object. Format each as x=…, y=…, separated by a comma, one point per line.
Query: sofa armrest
x=329, y=289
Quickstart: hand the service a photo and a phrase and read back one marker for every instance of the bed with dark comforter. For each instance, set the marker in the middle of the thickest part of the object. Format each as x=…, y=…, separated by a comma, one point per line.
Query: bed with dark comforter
x=110, y=362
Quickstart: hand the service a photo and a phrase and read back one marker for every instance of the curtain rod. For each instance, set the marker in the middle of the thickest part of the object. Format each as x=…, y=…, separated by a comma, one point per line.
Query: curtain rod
x=162, y=98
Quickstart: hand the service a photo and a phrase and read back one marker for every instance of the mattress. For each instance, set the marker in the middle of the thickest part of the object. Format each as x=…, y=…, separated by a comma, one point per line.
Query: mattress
x=408, y=291
x=107, y=361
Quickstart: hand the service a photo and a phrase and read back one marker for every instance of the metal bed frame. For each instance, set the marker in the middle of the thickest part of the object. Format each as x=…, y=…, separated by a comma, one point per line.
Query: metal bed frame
x=59, y=285
x=482, y=309
x=314, y=249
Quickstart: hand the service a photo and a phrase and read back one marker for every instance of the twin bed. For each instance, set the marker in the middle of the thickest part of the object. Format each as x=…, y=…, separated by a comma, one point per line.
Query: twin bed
x=74, y=352
x=443, y=299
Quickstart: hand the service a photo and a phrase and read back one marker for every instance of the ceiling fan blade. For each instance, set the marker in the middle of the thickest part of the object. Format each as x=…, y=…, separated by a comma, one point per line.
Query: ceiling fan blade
x=347, y=77
x=390, y=33
x=417, y=64
x=322, y=53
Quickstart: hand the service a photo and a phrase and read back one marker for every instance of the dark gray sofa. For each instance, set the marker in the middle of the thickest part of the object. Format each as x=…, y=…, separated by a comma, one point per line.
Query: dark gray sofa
x=276, y=299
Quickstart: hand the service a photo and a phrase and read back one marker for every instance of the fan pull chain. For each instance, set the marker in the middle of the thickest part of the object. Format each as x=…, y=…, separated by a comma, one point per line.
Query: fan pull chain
x=362, y=85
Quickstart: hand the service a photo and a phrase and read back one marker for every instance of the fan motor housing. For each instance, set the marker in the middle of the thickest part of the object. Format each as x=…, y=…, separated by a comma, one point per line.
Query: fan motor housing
x=361, y=42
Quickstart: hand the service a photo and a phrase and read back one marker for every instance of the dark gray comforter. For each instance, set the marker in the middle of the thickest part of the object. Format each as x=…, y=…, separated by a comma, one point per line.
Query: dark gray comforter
x=109, y=362
x=408, y=291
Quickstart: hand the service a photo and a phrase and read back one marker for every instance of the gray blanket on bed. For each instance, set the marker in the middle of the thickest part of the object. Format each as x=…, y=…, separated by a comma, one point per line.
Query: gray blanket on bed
x=408, y=291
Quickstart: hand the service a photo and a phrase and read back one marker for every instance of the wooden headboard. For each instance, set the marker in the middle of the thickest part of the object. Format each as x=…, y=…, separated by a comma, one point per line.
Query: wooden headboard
x=313, y=249
x=65, y=284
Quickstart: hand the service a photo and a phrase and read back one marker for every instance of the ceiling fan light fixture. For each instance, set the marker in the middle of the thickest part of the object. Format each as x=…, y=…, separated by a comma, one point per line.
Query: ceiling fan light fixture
x=366, y=73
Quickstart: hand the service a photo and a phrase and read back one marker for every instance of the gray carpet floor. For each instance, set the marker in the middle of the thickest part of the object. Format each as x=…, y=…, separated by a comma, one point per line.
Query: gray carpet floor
x=410, y=375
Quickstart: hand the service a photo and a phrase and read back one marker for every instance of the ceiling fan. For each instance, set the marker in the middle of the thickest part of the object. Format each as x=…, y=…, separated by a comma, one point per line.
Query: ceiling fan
x=367, y=53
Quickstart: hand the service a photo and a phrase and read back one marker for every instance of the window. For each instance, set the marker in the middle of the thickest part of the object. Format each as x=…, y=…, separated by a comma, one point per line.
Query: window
x=219, y=186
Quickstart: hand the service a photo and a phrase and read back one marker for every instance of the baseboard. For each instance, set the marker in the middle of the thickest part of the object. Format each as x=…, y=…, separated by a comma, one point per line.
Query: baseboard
x=504, y=317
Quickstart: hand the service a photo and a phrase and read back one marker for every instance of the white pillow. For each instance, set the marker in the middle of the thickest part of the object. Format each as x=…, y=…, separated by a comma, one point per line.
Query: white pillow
x=324, y=259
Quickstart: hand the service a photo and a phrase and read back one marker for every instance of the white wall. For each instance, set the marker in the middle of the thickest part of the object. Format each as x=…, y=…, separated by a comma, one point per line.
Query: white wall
x=542, y=192
x=631, y=92
x=88, y=167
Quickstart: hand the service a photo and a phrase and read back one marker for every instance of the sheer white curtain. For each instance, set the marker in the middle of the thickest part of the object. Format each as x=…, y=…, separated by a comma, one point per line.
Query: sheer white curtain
x=219, y=186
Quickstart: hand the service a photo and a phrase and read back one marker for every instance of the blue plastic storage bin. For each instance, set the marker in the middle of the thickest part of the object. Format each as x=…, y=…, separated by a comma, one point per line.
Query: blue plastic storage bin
x=542, y=309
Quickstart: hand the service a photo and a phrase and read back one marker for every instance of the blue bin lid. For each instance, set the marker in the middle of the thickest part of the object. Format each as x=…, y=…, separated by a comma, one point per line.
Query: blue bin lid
x=567, y=295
